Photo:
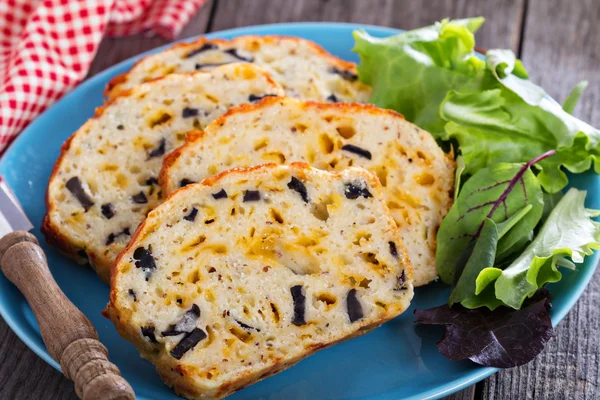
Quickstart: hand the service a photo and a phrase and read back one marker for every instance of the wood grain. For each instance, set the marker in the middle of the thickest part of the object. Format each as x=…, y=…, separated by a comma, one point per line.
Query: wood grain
x=561, y=46
x=502, y=28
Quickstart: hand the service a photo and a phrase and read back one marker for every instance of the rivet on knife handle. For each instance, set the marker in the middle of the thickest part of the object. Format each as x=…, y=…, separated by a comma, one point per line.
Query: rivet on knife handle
x=68, y=334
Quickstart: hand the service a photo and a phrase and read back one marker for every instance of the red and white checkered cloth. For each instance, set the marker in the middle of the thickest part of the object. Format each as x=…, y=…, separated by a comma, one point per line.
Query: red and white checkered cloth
x=47, y=46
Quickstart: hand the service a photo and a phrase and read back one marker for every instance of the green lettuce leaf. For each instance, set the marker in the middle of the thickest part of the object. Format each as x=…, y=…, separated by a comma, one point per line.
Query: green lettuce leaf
x=482, y=257
x=412, y=72
x=496, y=114
x=460, y=168
x=573, y=97
x=513, y=121
x=568, y=231
x=496, y=193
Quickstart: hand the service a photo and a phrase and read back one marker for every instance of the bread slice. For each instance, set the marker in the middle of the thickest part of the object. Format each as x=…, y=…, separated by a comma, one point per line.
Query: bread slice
x=239, y=277
x=105, y=181
x=417, y=175
x=302, y=67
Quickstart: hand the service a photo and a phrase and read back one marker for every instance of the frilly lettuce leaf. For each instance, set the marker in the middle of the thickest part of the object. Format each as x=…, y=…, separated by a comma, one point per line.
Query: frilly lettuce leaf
x=568, y=231
x=515, y=120
x=412, y=72
x=433, y=76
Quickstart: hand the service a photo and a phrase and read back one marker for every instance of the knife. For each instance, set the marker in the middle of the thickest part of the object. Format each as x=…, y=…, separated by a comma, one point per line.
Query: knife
x=69, y=336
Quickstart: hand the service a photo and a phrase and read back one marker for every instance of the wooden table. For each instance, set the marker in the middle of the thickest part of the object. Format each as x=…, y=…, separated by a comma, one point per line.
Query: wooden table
x=558, y=40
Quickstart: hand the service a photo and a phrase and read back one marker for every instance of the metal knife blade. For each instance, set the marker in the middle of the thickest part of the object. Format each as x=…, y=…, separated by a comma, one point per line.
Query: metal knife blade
x=12, y=216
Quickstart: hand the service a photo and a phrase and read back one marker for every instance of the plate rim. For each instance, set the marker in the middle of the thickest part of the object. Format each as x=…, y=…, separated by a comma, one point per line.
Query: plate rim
x=449, y=387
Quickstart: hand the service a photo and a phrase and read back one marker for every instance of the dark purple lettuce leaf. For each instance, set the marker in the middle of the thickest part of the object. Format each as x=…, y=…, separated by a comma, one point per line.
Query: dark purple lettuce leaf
x=503, y=338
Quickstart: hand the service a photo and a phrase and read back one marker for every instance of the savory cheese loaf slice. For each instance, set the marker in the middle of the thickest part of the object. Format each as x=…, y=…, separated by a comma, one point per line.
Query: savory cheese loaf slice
x=302, y=67
x=239, y=277
x=416, y=174
x=105, y=181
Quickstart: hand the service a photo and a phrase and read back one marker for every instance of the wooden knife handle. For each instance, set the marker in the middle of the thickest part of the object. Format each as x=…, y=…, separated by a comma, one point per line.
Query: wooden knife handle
x=68, y=334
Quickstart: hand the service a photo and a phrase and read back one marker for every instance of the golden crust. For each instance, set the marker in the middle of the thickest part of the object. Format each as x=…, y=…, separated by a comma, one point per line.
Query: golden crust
x=112, y=88
x=195, y=135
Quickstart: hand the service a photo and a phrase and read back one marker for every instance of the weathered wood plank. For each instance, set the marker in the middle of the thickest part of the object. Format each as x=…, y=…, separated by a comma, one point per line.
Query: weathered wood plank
x=561, y=47
x=23, y=375
x=502, y=28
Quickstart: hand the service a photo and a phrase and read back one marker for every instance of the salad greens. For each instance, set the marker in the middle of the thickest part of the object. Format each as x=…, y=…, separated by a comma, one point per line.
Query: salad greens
x=496, y=193
x=502, y=338
x=510, y=227
x=422, y=66
x=488, y=106
x=568, y=231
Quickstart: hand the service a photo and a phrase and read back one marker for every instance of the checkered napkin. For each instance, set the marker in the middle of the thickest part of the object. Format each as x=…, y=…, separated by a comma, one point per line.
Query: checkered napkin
x=47, y=46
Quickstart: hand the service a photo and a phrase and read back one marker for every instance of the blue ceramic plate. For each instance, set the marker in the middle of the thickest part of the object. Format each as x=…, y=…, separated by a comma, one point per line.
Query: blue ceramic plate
x=396, y=361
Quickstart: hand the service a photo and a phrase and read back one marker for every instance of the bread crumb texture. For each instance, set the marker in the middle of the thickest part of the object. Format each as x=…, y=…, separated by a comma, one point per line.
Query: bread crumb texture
x=416, y=175
x=302, y=67
x=105, y=181
x=234, y=279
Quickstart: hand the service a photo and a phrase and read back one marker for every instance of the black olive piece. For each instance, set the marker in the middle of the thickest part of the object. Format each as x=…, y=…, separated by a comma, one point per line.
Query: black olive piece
x=179, y=301
x=246, y=326
x=221, y=194
x=355, y=190
x=160, y=150
x=187, y=343
x=111, y=238
x=400, y=282
x=211, y=65
x=81, y=253
x=256, y=97
x=355, y=311
x=189, y=112
x=108, y=210
x=297, y=185
x=393, y=249
x=185, y=182
x=347, y=75
x=149, y=333
x=299, y=305
x=192, y=215
x=151, y=181
x=333, y=98
x=74, y=186
x=357, y=150
x=209, y=221
x=139, y=198
x=202, y=49
x=251, y=195
x=144, y=260
x=185, y=324
x=235, y=53
x=132, y=294
x=410, y=160
x=120, y=127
